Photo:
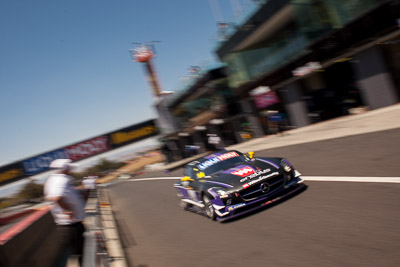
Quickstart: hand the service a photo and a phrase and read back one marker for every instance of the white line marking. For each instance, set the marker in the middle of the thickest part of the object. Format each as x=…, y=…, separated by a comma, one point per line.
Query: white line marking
x=395, y=180
x=352, y=179
x=156, y=178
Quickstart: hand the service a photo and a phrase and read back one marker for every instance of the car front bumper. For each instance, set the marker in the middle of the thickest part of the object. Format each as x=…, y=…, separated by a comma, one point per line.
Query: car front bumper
x=239, y=209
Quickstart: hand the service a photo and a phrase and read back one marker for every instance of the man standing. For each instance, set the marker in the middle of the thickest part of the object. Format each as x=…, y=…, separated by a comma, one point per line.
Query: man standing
x=69, y=206
x=89, y=183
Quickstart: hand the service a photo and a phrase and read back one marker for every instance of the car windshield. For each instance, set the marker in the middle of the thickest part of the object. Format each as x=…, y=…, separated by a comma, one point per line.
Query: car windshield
x=214, y=165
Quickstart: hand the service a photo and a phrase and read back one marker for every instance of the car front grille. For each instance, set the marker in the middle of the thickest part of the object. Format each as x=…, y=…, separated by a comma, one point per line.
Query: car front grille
x=255, y=191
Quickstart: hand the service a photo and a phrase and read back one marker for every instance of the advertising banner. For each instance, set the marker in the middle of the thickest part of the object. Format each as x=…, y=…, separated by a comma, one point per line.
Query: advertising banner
x=11, y=172
x=266, y=99
x=78, y=151
x=87, y=148
x=74, y=152
x=42, y=162
x=133, y=133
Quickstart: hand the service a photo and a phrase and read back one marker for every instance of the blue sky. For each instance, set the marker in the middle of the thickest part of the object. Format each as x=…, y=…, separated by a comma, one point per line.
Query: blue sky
x=66, y=74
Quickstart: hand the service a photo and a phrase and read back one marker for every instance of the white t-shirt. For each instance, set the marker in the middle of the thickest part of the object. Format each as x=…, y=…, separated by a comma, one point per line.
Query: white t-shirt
x=89, y=182
x=59, y=185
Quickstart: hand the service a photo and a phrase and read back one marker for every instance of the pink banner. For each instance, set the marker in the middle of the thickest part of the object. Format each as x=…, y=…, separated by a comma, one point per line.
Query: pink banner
x=266, y=99
x=88, y=148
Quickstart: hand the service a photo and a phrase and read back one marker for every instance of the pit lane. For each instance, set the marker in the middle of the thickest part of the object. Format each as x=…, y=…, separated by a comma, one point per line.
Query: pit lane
x=329, y=224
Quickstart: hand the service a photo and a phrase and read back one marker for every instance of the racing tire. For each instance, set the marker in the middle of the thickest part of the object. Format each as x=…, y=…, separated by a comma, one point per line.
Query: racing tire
x=208, y=208
x=184, y=205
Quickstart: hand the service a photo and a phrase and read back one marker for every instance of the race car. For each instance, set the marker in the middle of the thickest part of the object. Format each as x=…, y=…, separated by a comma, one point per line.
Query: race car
x=228, y=184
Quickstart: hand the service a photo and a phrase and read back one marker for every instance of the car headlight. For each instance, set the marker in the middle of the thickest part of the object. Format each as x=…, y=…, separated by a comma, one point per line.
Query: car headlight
x=288, y=176
x=288, y=170
x=225, y=196
x=286, y=166
x=222, y=193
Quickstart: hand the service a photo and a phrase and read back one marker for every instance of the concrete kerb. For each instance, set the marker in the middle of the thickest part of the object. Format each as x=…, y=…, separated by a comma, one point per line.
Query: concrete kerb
x=386, y=118
x=100, y=219
x=110, y=231
x=372, y=121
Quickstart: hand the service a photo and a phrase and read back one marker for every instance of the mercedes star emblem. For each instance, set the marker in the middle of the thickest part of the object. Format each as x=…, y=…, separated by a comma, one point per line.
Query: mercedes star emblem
x=264, y=187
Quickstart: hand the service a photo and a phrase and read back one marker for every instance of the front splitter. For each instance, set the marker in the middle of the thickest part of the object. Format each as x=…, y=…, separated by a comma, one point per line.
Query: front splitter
x=264, y=203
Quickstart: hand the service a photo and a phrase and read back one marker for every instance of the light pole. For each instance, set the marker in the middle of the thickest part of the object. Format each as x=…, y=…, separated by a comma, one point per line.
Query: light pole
x=144, y=53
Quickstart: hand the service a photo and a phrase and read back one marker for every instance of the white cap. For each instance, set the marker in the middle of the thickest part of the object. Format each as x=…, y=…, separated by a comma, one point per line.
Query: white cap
x=61, y=164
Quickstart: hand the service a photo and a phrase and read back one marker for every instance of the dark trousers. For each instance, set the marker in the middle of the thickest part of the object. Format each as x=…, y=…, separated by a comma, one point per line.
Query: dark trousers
x=73, y=236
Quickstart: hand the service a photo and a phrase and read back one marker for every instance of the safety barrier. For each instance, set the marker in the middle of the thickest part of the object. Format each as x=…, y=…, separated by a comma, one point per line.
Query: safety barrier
x=35, y=241
x=8, y=219
x=109, y=249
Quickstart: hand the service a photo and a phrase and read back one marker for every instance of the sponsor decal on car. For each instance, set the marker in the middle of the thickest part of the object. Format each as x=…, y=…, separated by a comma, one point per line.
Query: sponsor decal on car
x=208, y=163
x=246, y=185
x=227, y=155
x=255, y=174
x=236, y=206
x=244, y=171
x=217, y=159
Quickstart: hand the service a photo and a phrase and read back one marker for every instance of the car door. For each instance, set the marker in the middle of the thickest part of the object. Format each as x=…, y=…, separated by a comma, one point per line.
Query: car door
x=191, y=183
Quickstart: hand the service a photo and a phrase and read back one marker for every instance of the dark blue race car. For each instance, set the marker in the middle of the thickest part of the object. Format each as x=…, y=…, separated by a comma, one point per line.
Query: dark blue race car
x=226, y=184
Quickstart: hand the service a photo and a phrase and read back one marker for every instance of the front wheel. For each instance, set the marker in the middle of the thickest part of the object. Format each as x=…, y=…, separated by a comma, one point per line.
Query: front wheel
x=208, y=208
x=184, y=205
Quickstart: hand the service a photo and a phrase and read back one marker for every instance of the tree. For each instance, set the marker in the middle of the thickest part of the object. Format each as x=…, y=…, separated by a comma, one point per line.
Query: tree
x=31, y=190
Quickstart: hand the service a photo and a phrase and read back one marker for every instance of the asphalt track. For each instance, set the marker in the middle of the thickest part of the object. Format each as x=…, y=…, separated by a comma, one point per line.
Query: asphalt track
x=329, y=224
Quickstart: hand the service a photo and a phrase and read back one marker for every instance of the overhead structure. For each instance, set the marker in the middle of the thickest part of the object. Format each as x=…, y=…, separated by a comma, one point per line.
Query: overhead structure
x=144, y=53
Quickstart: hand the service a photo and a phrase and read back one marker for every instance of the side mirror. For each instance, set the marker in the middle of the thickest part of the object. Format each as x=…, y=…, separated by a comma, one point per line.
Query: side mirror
x=186, y=179
x=251, y=154
x=200, y=175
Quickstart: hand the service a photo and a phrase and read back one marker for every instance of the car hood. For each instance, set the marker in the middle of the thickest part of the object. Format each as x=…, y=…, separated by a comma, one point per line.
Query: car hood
x=243, y=175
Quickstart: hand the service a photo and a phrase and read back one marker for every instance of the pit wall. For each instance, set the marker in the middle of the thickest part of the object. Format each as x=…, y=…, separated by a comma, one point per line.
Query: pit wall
x=34, y=241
